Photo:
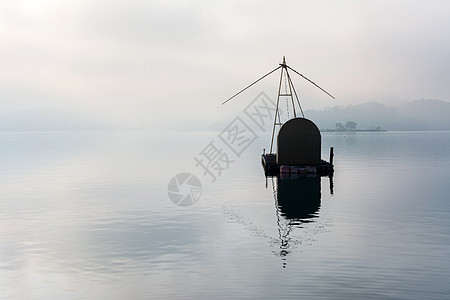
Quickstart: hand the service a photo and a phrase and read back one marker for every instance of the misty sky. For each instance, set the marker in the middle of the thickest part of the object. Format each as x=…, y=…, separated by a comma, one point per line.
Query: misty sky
x=150, y=62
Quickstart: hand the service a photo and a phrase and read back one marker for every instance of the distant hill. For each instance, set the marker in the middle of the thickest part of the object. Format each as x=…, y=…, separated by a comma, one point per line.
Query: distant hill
x=413, y=115
x=425, y=114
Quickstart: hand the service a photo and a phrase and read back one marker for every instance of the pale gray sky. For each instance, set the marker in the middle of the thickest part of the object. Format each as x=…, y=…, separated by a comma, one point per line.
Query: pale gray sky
x=147, y=62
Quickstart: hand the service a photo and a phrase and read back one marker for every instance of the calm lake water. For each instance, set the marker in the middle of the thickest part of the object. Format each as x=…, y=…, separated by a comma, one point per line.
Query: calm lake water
x=87, y=215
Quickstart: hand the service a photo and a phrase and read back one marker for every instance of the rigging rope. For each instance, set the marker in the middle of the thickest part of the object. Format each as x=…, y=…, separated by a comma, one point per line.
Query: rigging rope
x=287, y=97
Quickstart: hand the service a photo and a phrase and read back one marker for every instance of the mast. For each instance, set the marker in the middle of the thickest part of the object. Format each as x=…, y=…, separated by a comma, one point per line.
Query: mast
x=289, y=92
x=289, y=88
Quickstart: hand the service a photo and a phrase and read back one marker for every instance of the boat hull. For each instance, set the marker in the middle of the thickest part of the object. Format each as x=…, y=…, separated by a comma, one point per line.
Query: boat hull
x=271, y=168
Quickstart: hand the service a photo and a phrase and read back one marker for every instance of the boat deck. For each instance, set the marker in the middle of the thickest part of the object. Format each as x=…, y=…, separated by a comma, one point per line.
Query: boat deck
x=271, y=168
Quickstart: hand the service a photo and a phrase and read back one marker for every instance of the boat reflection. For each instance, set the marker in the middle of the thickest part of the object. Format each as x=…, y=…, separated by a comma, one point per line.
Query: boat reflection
x=298, y=199
x=297, y=202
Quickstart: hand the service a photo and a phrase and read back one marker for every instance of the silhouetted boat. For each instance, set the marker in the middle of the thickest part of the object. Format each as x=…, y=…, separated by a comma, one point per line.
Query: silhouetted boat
x=298, y=139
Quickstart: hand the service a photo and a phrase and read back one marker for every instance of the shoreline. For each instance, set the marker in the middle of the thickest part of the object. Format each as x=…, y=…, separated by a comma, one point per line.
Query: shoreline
x=355, y=130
